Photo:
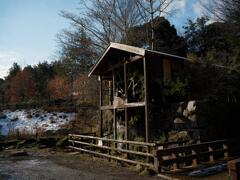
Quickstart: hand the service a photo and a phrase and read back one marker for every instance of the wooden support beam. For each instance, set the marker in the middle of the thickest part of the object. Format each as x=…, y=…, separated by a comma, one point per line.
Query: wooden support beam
x=126, y=97
x=110, y=91
x=146, y=99
x=114, y=110
x=73, y=136
x=111, y=148
x=134, y=58
x=120, y=64
x=127, y=105
x=100, y=111
x=107, y=78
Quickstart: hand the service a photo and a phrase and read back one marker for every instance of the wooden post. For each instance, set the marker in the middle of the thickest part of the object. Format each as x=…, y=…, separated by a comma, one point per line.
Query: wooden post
x=126, y=109
x=225, y=153
x=156, y=161
x=234, y=169
x=146, y=99
x=194, y=160
x=114, y=110
x=100, y=113
x=175, y=165
x=126, y=100
x=211, y=157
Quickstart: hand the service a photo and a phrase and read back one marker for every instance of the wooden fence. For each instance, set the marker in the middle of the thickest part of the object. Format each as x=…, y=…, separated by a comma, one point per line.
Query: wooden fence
x=127, y=151
x=168, y=157
x=193, y=156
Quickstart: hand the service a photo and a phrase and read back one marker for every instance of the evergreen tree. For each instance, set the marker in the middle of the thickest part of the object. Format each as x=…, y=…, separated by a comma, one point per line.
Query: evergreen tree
x=166, y=37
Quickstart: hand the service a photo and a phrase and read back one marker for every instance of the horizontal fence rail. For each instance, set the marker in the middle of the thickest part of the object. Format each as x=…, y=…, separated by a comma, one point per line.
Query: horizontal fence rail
x=162, y=157
x=115, y=149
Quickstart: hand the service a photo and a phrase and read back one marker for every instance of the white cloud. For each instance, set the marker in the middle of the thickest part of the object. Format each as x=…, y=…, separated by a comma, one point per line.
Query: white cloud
x=7, y=58
x=178, y=7
x=181, y=5
x=3, y=70
x=199, y=10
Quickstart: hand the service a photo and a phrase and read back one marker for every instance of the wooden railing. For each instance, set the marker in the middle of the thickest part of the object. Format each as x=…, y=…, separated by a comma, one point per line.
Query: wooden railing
x=191, y=156
x=167, y=157
x=127, y=151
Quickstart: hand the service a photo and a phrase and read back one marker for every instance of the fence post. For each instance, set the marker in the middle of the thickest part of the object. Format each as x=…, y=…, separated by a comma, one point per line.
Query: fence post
x=194, y=160
x=109, y=151
x=156, y=162
x=80, y=146
x=69, y=138
x=225, y=153
x=175, y=165
x=211, y=158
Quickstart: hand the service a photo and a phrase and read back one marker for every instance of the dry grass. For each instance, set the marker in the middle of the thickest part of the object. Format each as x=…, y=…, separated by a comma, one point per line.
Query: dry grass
x=84, y=122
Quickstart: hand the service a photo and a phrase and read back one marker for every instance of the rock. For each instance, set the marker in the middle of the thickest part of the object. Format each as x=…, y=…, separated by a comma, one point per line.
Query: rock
x=18, y=153
x=193, y=117
x=2, y=116
x=191, y=107
x=185, y=113
x=181, y=107
x=178, y=121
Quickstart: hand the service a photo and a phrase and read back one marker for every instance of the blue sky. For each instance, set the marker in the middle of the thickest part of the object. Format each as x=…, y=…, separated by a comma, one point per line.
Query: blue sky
x=28, y=28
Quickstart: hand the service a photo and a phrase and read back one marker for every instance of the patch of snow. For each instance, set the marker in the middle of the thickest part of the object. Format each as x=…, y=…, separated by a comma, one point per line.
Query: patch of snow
x=31, y=120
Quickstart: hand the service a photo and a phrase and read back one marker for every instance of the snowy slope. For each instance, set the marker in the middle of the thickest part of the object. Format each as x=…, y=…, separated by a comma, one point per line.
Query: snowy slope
x=30, y=120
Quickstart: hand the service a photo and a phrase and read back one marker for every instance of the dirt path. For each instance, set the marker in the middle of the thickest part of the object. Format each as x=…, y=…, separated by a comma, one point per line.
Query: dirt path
x=51, y=165
x=64, y=167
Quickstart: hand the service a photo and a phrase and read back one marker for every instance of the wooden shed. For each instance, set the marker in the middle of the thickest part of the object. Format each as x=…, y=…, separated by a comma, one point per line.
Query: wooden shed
x=132, y=78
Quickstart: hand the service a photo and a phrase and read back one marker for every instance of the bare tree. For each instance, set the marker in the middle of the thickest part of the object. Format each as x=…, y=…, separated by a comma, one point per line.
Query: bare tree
x=223, y=10
x=150, y=9
x=106, y=20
